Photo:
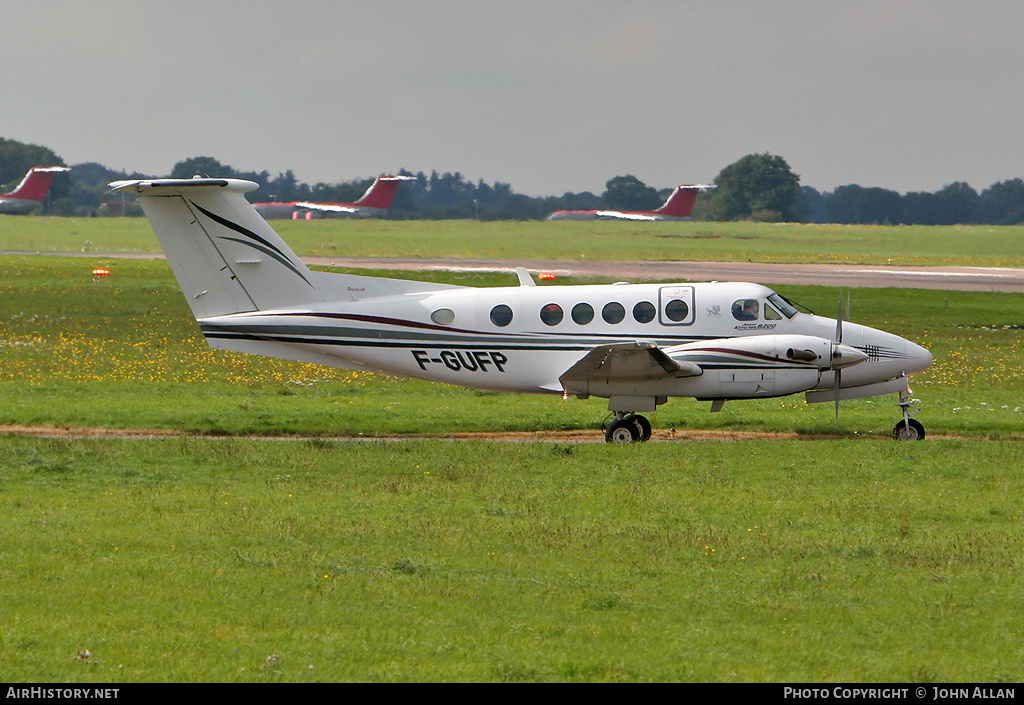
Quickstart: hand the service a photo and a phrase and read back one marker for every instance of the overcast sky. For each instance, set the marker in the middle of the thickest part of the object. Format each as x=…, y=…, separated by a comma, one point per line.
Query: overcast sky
x=549, y=96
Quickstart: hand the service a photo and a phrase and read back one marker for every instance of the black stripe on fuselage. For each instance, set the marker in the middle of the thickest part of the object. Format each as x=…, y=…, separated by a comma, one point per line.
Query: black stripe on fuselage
x=341, y=341
x=875, y=353
x=417, y=337
x=237, y=327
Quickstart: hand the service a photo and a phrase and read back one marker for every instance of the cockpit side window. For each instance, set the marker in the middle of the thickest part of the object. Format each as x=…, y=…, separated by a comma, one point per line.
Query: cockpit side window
x=780, y=303
x=746, y=310
x=770, y=314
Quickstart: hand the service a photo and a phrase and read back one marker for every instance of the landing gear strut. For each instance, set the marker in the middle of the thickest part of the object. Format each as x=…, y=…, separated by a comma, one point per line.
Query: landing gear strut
x=627, y=428
x=908, y=429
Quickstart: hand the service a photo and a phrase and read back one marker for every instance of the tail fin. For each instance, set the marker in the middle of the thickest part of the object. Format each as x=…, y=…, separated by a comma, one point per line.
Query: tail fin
x=36, y=183
x=680, y=203
x=381, y=192
x=226, y=258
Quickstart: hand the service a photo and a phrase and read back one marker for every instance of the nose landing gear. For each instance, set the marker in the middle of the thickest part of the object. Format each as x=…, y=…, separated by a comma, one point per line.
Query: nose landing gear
x=908, y=429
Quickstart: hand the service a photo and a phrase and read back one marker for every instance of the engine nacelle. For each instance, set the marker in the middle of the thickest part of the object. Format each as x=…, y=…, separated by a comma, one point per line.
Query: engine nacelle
x=823, y=354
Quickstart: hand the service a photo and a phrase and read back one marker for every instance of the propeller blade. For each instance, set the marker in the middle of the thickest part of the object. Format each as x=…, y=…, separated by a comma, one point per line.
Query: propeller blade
x=835, y=388
x=839, y=321
x=836, y=371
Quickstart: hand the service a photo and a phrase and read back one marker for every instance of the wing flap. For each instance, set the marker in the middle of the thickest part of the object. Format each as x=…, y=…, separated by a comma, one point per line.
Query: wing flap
x=624, y=362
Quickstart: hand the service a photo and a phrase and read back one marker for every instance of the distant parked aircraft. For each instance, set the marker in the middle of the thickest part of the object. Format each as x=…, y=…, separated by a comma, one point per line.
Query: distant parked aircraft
x=31, y=191
x=373, y=204
x=677, y=207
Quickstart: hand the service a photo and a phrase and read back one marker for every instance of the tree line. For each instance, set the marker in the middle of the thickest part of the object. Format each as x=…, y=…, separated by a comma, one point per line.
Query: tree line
x=757, y=187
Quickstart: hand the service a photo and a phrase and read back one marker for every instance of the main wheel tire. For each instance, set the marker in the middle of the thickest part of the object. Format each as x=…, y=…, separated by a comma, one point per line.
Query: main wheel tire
x=909, y=430
x=643, y=424
x=623, y=430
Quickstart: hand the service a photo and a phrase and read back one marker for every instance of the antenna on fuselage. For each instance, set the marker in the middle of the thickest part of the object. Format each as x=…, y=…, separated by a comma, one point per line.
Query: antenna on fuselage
x=525, y=278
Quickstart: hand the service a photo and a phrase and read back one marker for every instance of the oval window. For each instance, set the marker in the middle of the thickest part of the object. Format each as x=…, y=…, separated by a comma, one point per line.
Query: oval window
x=501, y=315
x=582, y=314
x=443, y=316
x=677, y=310
x=644, y=312
x=613, y=312
x=746, y=310
x=551, y=314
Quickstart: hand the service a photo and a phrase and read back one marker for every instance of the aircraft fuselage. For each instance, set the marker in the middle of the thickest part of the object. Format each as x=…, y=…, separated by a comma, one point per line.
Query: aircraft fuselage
x=521, y=339
x=18, y=206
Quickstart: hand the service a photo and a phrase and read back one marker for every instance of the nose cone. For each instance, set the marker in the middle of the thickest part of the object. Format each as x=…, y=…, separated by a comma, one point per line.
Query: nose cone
x=844, y=356
x=917, y=358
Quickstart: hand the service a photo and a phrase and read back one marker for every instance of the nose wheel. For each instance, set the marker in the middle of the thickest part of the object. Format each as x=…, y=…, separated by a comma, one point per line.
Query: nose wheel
x=628, y=428
x=908, y=429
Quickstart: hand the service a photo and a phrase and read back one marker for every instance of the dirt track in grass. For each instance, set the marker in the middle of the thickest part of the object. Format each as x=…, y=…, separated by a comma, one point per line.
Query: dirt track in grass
x=577, y=436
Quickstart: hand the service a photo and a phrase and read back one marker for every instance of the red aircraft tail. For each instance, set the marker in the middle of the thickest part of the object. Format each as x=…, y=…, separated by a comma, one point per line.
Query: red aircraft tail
x=680, y=203
x=381, y=192
x=36, y=183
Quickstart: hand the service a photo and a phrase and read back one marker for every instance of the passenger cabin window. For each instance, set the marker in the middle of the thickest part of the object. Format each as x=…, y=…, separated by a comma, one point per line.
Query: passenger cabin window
x=443, y=316
x=644, y=312
x=677, y=310
x=551, y=314
x=582, y=314
x=501, y=315
x=613, y=312
x=746, y=310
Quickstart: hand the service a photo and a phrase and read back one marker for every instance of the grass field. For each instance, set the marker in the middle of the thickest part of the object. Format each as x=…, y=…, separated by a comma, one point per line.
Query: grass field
x=125, y=353
x=986, y=246
x=256, y=561
x=848, y=558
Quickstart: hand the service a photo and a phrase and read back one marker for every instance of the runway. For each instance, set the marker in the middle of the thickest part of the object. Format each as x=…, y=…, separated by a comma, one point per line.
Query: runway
x=997, y=279
x=1003, y=279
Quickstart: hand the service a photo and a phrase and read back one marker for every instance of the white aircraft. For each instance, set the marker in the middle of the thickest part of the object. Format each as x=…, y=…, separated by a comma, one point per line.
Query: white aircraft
x=31, y=191
x=634, y=344
x=372, y=204
x=678, y=206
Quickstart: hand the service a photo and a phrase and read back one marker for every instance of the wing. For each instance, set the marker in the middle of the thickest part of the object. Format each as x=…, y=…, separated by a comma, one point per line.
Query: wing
x=639, y=362
x=328, y=207
x=744, y=367
x=622, y=215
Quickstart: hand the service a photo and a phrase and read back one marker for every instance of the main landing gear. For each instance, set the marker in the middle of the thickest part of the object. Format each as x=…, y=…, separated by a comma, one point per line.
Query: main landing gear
x=627, y=428
x=908, y=429
x=630, y=427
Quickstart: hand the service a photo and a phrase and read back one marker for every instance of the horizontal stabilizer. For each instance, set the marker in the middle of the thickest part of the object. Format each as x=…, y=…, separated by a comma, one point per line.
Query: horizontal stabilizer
x=226, y=258
x=36, y=183
x=680, y=202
